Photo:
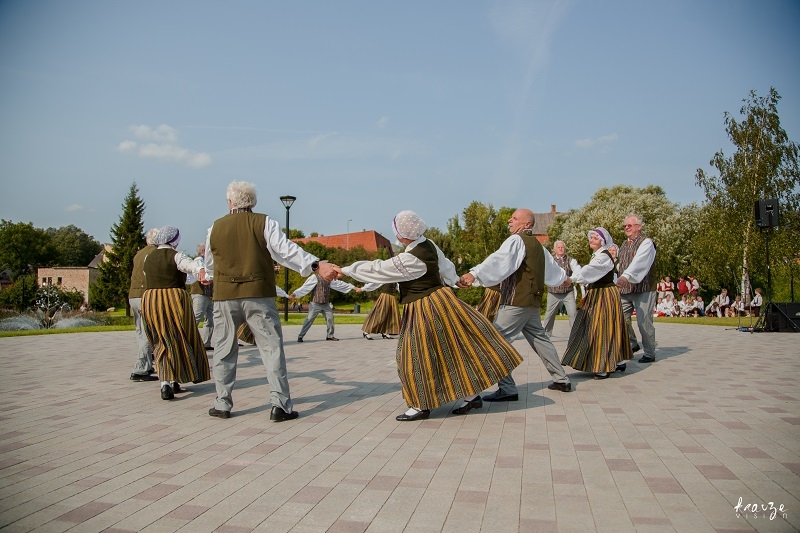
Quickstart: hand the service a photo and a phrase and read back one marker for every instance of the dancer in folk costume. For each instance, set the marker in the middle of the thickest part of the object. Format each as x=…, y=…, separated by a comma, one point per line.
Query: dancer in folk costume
x=598, y=342
x=446, y=349
x=384, y=318
x=178, y=352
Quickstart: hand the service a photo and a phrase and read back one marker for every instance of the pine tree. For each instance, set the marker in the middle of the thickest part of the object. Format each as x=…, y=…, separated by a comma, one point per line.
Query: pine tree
x=127, y=238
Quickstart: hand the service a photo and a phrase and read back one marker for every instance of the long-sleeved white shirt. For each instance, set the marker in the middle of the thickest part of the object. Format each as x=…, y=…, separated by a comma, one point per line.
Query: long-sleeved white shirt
x=507, y=260
x=183, y=262
x=369, y=287
x=402, y=267
x=757, y=300
x=283, y=251
x=599, y=265
x=311, y=282
x=642, y=261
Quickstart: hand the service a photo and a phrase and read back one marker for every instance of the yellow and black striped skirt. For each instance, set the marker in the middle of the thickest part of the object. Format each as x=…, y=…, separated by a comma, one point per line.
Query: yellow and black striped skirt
x=447, y=350
x=384, y=317
x=178, y=351
x=489, y=304
x=599, y=338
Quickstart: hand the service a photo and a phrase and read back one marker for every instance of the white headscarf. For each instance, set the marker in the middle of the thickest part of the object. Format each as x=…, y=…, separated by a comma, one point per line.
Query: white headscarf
x=408, y=225
x=169, y=235
x=603, y=235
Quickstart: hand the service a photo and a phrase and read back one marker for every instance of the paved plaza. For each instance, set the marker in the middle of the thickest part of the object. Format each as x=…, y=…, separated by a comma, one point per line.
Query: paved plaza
x=671, y=446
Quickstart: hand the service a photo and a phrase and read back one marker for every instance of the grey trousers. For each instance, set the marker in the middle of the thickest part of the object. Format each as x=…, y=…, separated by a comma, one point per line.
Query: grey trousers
x=203, y=307
x=313, y=311
x=554, y=301
x=644, y=303
x=510, y=322
x=261, y=315
x=144, y=357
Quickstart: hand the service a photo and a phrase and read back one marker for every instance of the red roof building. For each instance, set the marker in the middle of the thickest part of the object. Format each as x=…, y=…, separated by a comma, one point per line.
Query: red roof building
x=372, y=241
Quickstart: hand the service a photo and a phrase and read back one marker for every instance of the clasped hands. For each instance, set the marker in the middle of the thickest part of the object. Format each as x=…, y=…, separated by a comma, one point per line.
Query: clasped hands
x=329, y=271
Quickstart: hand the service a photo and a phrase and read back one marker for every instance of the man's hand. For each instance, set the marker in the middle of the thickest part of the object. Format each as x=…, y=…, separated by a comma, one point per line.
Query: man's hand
x=357, y=289
x=465, y=281
x=329, y=271
x=623, y=283
x=202, y=277
x=567, y=283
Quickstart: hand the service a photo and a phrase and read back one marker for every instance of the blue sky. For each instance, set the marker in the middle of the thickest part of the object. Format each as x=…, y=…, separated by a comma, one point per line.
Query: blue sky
x=363, y=108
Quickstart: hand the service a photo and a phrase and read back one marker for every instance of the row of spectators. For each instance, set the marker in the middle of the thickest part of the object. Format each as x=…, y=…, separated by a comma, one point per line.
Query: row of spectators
x=692, y=304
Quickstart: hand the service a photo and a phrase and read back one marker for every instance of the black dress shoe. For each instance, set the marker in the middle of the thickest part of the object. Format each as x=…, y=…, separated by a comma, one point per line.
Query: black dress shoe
x=386, y=336
x=279, y=415
x=143, y=377
x=636, y=348
x=166, y=392
x=475, y=403
x=176, y=387
x=209, y=348
x=419, y=415
x=218, y=413
x=646, y=359
x=498, y=396
x=621, y=367
x=563, y=387
x=367, y=337
x=331, y=339
x=299, y=339
x=603, y=375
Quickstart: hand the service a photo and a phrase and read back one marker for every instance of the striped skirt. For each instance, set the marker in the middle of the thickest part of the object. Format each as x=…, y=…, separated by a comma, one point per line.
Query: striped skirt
x=245, y=334
x=178, y=351
x=599, y=338
x=489, y=304
x=447, y=350
x=384, y=317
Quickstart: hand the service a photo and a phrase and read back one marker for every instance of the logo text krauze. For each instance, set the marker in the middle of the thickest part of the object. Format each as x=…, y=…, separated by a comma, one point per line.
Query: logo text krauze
x=767, y=509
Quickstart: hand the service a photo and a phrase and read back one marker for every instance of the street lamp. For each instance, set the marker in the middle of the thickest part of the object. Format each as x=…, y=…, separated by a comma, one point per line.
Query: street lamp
x=287, y=202
x=347, y=237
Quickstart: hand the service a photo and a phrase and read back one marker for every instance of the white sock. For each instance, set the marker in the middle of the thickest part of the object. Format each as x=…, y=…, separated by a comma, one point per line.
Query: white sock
x=603, y=374
x=412, y=411
x=166, y=383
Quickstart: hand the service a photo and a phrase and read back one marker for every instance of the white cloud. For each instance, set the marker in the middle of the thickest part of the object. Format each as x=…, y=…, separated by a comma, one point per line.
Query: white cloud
x=383, y=122
x=74, y=207
x=601, y=142
x=163, y=147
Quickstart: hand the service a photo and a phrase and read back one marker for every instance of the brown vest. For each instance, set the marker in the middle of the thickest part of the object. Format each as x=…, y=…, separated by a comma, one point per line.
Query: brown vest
x=624, y=259
x=524, y=287
x=322, y=291
x=160, y=271
x=415, y=289
x=563, y=262
x=137, y=275
x=243, y=267
x=199, y=288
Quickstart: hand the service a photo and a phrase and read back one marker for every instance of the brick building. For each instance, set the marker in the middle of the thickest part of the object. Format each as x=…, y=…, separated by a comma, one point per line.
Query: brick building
x=372, y=241
x=69, y=278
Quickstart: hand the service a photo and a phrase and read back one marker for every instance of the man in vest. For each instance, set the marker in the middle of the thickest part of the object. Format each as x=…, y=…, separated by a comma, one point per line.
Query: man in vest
x=522, y=267
x=634, y=262
x=202, y=302
x=562, y=294
x=239, y=258
x=320, y=302
x=143, y=368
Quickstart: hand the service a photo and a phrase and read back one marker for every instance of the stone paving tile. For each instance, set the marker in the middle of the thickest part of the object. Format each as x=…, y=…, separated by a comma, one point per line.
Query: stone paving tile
x=670, y=446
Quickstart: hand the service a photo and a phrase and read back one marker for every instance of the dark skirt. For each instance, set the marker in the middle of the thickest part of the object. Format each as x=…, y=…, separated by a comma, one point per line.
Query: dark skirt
x=245, y=334
x=489, y=304
x=178, y=351
x=599, y=338
x=384, y=317
x=447, y=350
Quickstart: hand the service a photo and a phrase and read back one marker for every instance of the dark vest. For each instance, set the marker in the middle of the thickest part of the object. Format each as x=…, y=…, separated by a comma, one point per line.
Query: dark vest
x=160, y=271
x=137, y=275
x=563, y=262
x=413, y=290
x=199, y=288
x=624, y=259
x=388, y=288
x=243, y=267
x=608, y=279
x=322, y=292
x=524, y=287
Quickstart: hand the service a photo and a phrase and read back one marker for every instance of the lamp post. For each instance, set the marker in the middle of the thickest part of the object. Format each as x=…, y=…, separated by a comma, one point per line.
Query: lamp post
x=347, y=237
x=287, y=202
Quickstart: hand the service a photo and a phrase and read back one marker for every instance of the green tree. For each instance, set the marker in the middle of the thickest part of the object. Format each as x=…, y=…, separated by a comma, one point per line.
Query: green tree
x=127, y=238
x=484, y=230
x=763, y=165
x=23, y=247
x=75, y=247
x=21, y=295
x=670, y=227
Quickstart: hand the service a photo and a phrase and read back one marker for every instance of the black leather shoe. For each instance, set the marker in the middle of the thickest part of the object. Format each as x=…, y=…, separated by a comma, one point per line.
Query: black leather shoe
x=176, y=387
x=209, y=348
x=563, y=387
x=646, y=359
x=621, y=367
x=603, y=375
x=143, y=377
x=279, y=415
x=331, y=339
x=477, y=403
x=218, y=413
x=636, y=348
x=421, y=415
x=386, y=336
x=166, y=392
x=299, y=339
x=498, y=396
x=367, y=337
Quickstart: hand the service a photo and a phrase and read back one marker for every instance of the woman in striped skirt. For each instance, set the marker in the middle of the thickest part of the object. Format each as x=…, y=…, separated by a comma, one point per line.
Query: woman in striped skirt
x=598, y=341
x=384, y=318
x=446, y=350
x=490, y=303
x=179, y=355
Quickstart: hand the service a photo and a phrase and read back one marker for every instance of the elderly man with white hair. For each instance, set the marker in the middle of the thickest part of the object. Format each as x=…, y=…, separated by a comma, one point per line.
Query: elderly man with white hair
x=562, y=294
x=143, y=369
x=241, y=250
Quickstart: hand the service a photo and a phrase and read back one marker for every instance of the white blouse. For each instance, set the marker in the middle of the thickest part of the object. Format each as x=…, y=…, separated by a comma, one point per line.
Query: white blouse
x=599, y=265
x=402, y=267
x=507, y=260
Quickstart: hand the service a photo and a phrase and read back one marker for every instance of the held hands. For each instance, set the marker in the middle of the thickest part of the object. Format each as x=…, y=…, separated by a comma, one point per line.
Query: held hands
x=465, y=281
x=329, y=271
x=202, y=277
x=623, y=283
